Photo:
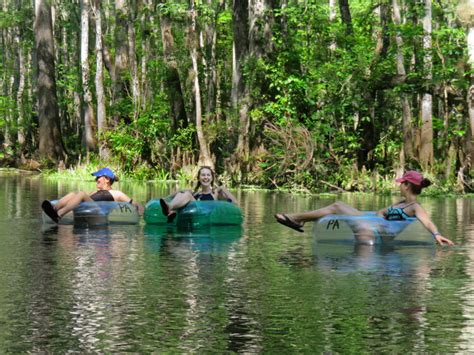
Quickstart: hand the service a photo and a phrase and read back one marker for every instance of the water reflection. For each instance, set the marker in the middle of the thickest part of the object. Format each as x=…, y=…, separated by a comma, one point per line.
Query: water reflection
x=212, y=239
x=393, y=259
x=262, y=288
x=93, y=260
x=204, y=260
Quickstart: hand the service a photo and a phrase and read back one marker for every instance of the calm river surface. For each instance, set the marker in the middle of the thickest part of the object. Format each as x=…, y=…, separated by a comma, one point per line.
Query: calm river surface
x=264, y=288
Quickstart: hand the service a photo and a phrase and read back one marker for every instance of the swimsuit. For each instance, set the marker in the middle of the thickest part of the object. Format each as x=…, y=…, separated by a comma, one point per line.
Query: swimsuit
x=397, y=213
x=389, y=229
x=393, y=223
x=102, y=195
x=203, y=197
x=206, y=197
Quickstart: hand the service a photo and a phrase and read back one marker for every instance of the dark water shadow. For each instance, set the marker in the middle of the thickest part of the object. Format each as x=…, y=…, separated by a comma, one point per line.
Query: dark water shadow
x=397, y=257
x=215, y=239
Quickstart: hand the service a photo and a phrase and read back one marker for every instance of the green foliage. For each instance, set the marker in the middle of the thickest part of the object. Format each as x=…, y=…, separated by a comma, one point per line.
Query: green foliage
x=333, y=96
x=183, y=138
x=135, y=141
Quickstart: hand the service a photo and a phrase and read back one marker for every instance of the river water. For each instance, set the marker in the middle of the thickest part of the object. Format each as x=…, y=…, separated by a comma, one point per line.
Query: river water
x=261, y=288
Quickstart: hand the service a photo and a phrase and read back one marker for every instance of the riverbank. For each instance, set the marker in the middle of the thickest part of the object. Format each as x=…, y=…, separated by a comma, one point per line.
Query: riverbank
x=382, y=185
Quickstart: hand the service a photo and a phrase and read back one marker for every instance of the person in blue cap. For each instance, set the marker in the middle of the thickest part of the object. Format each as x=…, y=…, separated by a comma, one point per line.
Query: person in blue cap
x=104, y=179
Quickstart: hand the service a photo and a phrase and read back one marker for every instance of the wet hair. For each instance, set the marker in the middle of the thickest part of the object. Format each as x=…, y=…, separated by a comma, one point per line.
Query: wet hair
x=416, y=189
x=213, y=174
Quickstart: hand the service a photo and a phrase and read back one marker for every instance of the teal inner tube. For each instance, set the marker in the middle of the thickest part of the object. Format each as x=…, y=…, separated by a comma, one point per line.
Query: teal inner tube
x=368, y=228
x=196, y=214
x=99, y=213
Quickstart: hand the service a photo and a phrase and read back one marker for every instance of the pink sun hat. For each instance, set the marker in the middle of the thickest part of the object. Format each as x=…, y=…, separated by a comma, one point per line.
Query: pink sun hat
x=411, y=176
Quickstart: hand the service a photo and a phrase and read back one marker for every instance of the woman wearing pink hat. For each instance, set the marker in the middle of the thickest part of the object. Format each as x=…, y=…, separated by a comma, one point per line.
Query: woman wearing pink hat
x=411, y=184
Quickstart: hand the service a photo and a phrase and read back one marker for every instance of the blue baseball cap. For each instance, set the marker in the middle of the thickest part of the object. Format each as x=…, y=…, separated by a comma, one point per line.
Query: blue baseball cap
x=107, y=173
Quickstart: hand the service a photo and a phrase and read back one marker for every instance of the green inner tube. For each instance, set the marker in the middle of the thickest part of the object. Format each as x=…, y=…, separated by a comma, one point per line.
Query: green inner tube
x=197, y=214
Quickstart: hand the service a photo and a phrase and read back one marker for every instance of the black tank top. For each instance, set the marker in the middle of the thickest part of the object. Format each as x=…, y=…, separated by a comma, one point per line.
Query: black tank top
x=102, y=195
x=204, y=197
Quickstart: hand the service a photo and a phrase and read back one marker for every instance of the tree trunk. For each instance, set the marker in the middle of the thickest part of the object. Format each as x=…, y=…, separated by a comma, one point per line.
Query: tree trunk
x=119, y=68
x=407, y=118
x=7, y=80
x=465, y=10
x=50, y=144
x=332, y=18
x=383, y=39
x=172, y=81
x=210, y=48
x=426, y=138
x=99, y=80
x=346, y=15
x=133, y=66
x=469, y=156
x=239, y=49
x=260, y=37
x=19, y=94
x=89, y=134
x=204, y=154
x=145, y=18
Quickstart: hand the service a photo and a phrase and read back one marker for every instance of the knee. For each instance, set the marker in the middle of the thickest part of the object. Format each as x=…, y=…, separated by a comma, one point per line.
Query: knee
x=186, y=193
x=338, y=206
x=81, y=194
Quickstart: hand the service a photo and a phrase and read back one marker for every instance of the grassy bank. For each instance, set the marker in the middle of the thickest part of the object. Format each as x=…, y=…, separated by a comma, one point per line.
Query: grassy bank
x=362, y=184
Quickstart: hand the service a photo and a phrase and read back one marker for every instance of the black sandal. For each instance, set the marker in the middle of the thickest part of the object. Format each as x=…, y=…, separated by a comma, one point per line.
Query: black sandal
x=286, y=221
x=164, y=207
x=171, y=215
x=48, y=208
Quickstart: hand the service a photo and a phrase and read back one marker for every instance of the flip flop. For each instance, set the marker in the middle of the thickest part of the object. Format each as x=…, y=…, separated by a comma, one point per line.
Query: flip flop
x=171, y=217
x=286, y=221
x=164, y=207
x=50, y=211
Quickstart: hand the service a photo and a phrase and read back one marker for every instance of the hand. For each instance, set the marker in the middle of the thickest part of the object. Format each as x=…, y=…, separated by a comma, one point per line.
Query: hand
x=139, y=208
x=442, y=240
x=220, y=191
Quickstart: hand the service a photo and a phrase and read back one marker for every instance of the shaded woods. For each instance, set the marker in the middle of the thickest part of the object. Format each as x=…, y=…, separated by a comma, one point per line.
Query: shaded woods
x=319, y=93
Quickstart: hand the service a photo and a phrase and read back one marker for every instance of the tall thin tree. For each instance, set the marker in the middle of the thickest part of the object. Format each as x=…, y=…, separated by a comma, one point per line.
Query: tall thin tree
x=50, y=142
x=89, y=133
x=407, y=149
x=426, y=137
x=465, y=13
x=204, y=153
x=99, y=78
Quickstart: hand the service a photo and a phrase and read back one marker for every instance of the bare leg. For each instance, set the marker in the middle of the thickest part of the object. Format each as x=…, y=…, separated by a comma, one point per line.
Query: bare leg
x=335, y=208
x=73, y=200
x=181, y=199
x=64, y=200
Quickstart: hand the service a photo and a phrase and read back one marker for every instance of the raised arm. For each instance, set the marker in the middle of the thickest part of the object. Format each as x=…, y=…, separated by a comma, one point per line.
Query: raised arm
x=224, y=194
x=119, y=196
x=430, y=226
x=382, y=212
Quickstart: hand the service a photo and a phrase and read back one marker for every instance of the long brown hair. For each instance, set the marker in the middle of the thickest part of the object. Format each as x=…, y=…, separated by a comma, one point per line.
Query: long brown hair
x=416, y=189
x=213, y=174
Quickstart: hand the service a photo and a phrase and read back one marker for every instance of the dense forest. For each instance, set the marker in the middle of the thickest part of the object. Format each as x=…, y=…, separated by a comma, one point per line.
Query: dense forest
x=278, y=93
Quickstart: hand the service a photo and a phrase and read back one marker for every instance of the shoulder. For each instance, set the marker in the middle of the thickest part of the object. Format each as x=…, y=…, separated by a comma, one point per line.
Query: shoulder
x=118, y=195
x=418, y=208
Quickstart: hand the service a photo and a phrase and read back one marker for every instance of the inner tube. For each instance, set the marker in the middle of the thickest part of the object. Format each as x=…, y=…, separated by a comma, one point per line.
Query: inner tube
x=196, y=214
x=99, y=213
x=368, y=228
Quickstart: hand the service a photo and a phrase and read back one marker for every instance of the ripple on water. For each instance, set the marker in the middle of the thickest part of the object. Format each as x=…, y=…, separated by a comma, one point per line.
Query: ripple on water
x=265, y=288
